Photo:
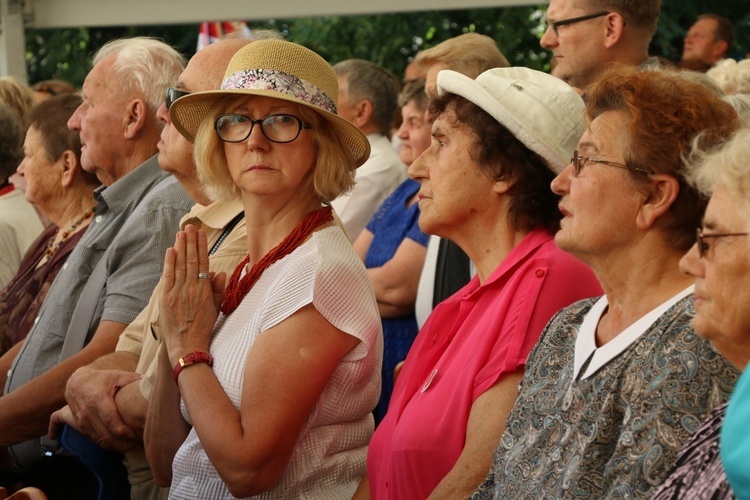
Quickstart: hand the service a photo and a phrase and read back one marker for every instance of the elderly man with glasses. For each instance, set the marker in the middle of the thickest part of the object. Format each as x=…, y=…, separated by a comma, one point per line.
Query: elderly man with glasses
x=587, y=36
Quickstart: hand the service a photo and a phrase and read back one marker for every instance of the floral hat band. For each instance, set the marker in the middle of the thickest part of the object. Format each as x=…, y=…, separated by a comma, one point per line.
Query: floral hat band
x=279, y=70
x=277, y=81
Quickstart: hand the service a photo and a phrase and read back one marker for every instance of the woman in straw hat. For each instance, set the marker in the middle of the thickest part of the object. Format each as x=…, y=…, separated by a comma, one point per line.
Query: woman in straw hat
x=497, y=143
x=276, y=373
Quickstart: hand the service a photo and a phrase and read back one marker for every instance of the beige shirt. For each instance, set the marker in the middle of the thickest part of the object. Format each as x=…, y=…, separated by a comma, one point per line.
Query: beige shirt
x=137, y=337
x=19, y=227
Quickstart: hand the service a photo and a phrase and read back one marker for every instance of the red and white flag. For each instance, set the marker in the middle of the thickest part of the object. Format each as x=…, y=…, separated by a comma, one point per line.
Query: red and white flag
x=212, y=31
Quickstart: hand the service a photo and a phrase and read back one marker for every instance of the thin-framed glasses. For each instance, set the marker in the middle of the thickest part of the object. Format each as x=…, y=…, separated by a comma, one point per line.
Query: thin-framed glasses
x=704, y=247
x=565, y=22
x=233, y=127
x=172, y=95
x=579, y=162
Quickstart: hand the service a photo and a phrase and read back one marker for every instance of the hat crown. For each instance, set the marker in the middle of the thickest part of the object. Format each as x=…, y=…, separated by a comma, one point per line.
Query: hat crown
x=286, y=59
x=540, y=110
x=279, y=70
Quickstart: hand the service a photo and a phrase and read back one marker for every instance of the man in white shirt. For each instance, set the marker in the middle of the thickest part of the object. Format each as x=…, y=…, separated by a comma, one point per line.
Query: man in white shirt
x=368, y=96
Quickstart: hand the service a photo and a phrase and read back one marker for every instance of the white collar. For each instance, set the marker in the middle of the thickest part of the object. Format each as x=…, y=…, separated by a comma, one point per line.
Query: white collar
x=586, y=340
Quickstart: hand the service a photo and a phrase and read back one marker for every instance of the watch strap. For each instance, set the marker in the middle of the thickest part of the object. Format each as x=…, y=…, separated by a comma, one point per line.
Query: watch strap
x=191, y=359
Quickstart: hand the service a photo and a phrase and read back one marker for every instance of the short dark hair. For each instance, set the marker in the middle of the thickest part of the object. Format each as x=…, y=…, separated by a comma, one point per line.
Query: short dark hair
x=11, y=141
x=369, y=81
x=50, y=118
x=413, y=92
x=724, y=29
x=642, y=14
x=501, y=155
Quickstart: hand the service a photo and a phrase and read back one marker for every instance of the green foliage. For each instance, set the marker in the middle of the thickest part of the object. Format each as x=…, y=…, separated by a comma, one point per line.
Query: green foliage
x=678, y=15
x=390, y=40
x=399, y=37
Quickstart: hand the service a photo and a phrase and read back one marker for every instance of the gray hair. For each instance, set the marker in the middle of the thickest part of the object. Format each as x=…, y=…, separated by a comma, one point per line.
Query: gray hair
x=369, y=81
x=733, y=77
x=726, y=165
x=144, y=65
x=741, y=104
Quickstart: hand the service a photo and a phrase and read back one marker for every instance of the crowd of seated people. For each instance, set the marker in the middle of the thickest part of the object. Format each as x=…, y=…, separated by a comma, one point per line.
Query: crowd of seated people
x=187, y=298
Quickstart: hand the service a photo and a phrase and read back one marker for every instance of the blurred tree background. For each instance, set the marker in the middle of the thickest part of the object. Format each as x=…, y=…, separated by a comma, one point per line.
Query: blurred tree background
x=387, y=39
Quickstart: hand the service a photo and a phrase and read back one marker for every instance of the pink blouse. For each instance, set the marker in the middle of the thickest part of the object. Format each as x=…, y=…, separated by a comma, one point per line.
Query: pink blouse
x=467, y=344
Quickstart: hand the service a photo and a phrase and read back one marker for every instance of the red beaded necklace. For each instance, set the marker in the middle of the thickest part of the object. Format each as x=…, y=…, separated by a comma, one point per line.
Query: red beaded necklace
x=238, y=288
x=52, y=247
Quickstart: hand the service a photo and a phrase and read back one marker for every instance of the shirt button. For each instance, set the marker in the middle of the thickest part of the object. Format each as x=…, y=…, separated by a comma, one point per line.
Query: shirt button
x=65, y=266
x=98, y=218
x=539, y=273
x=36, y=320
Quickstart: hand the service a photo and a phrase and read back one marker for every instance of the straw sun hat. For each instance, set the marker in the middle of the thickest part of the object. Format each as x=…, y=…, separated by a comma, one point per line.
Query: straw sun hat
x=282, y=70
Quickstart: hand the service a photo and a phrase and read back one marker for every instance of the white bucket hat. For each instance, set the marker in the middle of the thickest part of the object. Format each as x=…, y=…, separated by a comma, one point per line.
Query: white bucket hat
x=540, y=110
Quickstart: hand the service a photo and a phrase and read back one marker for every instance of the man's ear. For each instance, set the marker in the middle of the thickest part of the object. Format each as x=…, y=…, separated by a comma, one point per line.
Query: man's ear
x=613, y=29
x=135, y=117
x=364, y=113
x=720, y=48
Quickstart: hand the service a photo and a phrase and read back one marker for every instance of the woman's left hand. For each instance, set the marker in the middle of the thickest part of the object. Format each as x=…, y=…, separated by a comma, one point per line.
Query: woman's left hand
x=190, y=295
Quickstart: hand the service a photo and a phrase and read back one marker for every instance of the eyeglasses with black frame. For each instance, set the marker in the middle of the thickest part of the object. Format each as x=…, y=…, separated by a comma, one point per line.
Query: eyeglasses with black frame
x=565, y=22
x=172, y=95
x=233, y=127
x=579, y=162
x=704, y=247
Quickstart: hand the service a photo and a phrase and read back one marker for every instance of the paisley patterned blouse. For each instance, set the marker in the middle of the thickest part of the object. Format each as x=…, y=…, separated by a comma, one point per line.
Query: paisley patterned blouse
x=616, y=433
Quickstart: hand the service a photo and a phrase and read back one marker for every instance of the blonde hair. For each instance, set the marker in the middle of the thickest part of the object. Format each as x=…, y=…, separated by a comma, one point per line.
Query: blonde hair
x=470, y=54
x=17, y=97
x=331, y=176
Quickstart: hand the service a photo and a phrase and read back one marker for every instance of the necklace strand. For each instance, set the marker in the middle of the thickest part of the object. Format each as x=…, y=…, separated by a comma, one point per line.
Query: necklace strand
x=53, y=247
x=237, y=288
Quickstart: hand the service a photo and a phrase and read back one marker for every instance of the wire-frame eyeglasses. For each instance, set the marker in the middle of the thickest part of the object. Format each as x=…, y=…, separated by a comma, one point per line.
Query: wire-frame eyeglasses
x=704, y=247
x=579, y=162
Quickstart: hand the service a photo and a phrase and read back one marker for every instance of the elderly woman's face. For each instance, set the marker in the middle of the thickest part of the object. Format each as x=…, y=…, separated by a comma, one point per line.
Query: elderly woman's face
x=453, y=188
x=415, y=132
x=722, y=278
x=41, y=175
x=600, y=204
x=263, y=167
